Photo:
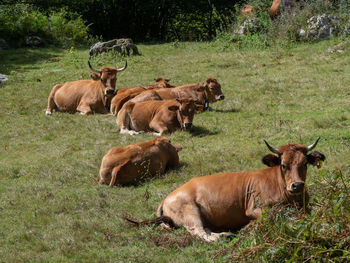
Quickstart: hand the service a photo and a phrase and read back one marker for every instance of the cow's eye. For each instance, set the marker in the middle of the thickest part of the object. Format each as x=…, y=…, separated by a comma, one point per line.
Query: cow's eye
x=283, y=167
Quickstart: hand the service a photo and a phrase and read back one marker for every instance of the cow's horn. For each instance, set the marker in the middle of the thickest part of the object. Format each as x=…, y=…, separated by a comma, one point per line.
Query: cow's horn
x=274, y=150
x=95, y=70
x=310, y=147
x=121, y=69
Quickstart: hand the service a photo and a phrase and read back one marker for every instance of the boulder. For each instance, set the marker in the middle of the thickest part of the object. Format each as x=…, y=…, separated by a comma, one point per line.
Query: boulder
x=3, y=44
x=321, y=27
x=122, y=46
x=3, y=78
x=33, y=41
x=251, y=24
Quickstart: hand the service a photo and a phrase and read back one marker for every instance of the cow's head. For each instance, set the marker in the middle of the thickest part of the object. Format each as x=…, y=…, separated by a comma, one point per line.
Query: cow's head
x=213, y=90
x=185, y=110
x=108, y=77
x=293, y=160
x=167, y=143
x=163, y=83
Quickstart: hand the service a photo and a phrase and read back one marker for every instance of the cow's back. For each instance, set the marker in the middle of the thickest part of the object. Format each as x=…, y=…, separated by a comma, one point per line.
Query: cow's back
x=142, y=113
x=124, y=96
x=223, y=199
x=137, y=161
x=69, y=96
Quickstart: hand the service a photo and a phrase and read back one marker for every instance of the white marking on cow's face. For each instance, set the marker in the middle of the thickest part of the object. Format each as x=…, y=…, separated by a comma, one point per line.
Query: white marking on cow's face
x=220, y=97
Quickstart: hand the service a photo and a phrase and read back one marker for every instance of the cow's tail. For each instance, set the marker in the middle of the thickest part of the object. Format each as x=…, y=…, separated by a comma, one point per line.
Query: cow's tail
x=155, y=221
x=51, y=104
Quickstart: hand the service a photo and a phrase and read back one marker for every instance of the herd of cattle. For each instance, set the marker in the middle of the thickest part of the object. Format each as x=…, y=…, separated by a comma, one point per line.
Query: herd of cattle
x=208, y=206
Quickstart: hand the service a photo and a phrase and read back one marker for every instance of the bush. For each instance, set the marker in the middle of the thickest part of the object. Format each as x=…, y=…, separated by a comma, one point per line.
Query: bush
x=67, y=27
x=284, y=30
x=21, y=20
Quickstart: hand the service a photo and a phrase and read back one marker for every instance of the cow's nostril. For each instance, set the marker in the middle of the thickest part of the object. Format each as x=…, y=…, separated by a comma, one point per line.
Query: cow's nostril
x=297, y=187
x=188, y=125
x=222, y=97
x=109, y=91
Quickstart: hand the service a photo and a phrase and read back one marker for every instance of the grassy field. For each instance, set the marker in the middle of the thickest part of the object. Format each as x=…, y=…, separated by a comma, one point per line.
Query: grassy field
x=51, y=210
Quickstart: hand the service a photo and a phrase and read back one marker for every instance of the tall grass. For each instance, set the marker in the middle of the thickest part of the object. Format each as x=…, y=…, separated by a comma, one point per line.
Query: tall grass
x=51, y=209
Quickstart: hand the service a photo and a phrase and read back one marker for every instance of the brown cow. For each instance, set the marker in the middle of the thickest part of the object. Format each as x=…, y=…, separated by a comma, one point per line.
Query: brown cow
x=126, y=165
x=278, y=5
x=85, y=96
x=159, y=116
x=124, y=95
x=201, y=93
x=207, y=205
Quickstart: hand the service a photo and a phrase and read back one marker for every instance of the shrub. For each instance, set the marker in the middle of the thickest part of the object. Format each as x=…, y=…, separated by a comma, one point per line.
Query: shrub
x=22, y=20
x=285, y=29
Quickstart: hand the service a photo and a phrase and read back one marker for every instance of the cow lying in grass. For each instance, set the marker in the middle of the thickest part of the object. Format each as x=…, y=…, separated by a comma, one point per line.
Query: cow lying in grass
x=158, y=116
x=202, y=93
x=126, y=165
x=124, y=95
x=85, y=96
x=208, y=205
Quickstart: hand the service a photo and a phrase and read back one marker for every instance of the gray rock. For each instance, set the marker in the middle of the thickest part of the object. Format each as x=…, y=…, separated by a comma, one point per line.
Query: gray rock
x=249, y=25
x=321, y=27
x=3, y=44
x=3, y=78
x=33, y=41
x=122, y=46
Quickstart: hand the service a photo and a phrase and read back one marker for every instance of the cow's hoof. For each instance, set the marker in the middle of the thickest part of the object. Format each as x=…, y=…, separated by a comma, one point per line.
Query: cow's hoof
x=48, y=113
x=124, y=131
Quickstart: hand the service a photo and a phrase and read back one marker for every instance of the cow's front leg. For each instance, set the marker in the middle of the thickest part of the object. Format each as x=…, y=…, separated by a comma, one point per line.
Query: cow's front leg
x=254, y=214
x=84, y=109
x=158, y=127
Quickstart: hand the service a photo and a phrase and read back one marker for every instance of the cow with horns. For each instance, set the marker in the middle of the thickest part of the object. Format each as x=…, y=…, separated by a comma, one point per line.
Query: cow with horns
x=208, y=205
x=85, y=96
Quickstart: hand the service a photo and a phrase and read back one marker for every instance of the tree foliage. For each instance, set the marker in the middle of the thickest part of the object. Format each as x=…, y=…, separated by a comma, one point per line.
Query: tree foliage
x=148, y=19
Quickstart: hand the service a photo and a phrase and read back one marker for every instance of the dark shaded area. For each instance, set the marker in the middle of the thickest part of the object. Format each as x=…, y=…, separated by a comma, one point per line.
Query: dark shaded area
x=11, y=61
x=145, y=20
x=227, y=111
x=197, y=131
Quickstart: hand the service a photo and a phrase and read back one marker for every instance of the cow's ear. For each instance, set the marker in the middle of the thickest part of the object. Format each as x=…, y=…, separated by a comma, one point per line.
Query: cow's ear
x=158, y=79
x=316, y=159
x=173, y=108
x=95, y=76
x=166, y=80
x=271, y=160
x=200, y=89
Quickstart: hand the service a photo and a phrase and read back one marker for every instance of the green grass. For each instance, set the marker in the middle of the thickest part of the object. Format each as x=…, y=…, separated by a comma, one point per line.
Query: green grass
x=51, y=210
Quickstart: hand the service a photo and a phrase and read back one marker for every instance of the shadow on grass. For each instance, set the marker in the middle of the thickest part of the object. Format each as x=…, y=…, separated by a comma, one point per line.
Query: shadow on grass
x=11, y=59
x=197, y=131
x=227, y=111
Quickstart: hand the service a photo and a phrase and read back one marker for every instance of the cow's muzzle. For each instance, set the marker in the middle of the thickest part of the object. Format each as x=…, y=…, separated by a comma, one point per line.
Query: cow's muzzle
x=220, y=97
x=297, y=188
x=187, y=125
x=109, y=92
